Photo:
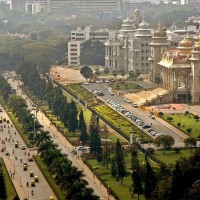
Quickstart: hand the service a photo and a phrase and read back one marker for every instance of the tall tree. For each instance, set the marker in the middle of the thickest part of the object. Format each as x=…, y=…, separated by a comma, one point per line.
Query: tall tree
x=72, y=121
x=113, y=167
x=136, y=179
x=83, y=128
x=150, y=181
x=95, y=140
x=120, y=162
x=86, y=72
x=3, y=194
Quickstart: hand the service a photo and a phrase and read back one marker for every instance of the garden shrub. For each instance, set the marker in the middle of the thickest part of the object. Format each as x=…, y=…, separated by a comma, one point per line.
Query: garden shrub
x=177, y=149
x=150, y=150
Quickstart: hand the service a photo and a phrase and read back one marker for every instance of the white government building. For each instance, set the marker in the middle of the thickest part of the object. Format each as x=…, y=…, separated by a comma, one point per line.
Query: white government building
x=128, y=49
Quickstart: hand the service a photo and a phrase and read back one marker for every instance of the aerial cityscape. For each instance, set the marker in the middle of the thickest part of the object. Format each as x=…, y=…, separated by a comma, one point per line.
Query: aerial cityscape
x=100, y=100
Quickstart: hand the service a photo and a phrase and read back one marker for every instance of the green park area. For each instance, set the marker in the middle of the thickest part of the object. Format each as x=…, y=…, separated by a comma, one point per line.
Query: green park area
x=188, y=123
x=171, y=156
x=11, y=192
x=125, y=86
x=121, y=190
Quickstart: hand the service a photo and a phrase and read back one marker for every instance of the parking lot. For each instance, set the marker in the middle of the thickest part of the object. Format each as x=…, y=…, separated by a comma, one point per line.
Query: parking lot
x=144, y=117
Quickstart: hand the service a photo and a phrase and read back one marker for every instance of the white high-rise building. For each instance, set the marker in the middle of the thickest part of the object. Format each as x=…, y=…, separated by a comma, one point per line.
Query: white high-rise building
x=79, y=36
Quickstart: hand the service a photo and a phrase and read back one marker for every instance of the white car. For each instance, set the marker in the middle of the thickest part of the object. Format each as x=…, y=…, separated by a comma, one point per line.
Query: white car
x=135, y=105
x=127, y=100
x=86, y=83
x=111, y=93
x=23, y=147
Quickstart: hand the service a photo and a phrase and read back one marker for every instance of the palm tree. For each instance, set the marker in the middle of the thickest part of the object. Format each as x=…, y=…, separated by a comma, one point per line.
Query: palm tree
x=41, y=137
x=115, y=74
x=49, y=158
x=106, y=71
x=44, y=147
x=79, y=190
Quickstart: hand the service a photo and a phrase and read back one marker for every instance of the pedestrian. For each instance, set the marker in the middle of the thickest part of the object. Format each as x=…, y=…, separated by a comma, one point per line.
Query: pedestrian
x=27, y=184
x=21, y=160
x=32, y=192
x=13, y=151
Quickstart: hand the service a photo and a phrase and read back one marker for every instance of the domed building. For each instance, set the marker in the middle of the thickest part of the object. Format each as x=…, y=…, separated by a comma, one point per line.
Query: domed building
x=129, y=50
x=177, y=69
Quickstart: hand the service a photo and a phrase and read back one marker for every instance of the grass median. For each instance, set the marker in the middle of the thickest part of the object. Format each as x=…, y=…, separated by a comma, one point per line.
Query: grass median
x=10, y=189
x=58, y=192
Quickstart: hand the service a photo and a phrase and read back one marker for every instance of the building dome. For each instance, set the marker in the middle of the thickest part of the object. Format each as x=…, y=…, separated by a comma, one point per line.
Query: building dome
x=128, y=21
x=185, y=42
x=143, y=24
x=197, y=46
x=136, y=11
x=159, y=32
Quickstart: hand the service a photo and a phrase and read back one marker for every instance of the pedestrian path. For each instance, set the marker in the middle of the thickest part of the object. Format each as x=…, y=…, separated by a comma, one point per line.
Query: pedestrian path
x=67, y=148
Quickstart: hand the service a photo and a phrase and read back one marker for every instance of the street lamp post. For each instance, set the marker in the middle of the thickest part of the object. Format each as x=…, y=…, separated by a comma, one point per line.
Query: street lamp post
x=94, y=176
x=20, y=180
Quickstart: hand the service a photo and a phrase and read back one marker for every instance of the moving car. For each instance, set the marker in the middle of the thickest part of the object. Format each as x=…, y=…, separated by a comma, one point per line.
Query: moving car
x=30, y=159
x=23, y=147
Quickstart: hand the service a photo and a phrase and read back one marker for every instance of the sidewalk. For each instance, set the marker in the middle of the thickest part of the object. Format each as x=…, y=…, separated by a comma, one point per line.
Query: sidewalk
x=58, y=138
x=16, y=180
x=66, y=147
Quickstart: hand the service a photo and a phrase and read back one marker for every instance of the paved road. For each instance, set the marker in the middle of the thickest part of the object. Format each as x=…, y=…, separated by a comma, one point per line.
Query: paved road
x=157, y=124
x=66, y=147
x=14, y=163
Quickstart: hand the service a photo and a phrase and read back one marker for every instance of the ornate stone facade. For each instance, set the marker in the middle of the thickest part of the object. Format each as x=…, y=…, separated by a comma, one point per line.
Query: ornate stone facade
x=128, y=49
x=177, y=69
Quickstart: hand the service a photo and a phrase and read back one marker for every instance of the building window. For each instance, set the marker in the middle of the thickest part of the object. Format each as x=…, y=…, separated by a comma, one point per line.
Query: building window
x=73, y=54
x=73, y=45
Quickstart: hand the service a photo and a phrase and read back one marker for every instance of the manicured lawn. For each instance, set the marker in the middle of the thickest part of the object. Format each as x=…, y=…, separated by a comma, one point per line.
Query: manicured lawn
x=187, y=121
x=122, y=191
x=170, y=157
x=120, y=122
x=123, y=86
x=11, y=192
x=59, y=193
x=80, y=91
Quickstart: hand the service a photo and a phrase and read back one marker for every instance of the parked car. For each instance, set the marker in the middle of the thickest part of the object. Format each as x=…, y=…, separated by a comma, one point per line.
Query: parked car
x=152, y=117
x=127, y=100
x=86, y=83
x=111, y=93
x=146, y=126
x=134, y=105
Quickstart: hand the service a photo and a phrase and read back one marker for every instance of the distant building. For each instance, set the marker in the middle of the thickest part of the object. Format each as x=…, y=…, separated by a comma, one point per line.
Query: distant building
x=32, y=8
x=78, y=37
x=106, y=6
x=128, y=49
